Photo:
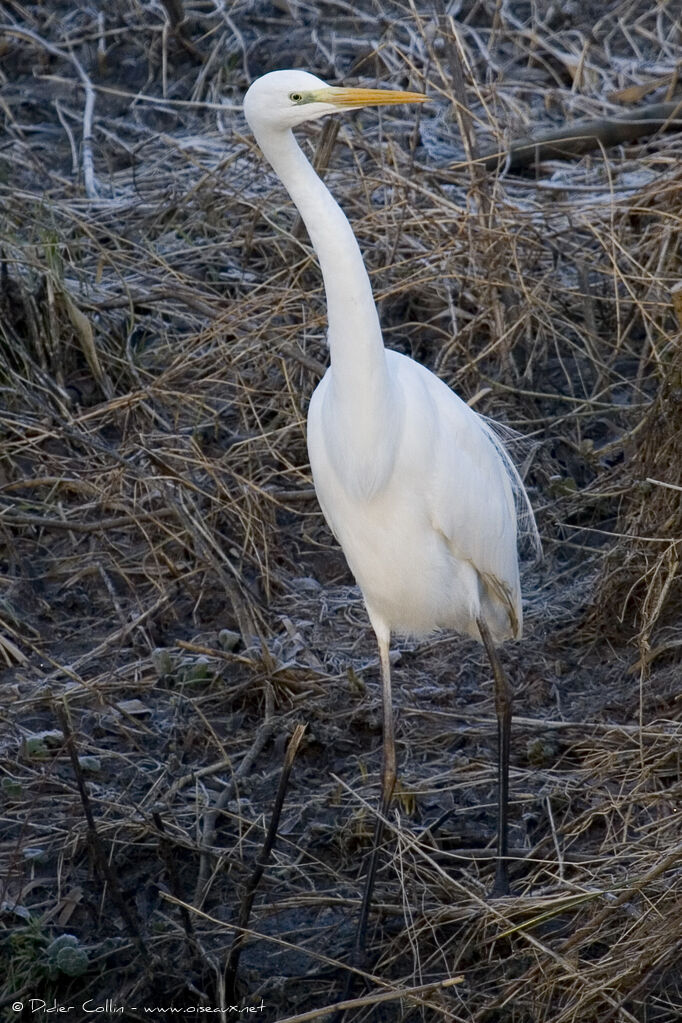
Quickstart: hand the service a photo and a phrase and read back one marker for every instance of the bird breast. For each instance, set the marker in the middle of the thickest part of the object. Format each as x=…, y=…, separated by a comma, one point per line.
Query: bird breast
x=419, y=500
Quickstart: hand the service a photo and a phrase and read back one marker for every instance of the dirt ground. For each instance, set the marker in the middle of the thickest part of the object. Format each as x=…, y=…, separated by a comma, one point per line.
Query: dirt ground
x=172, y=604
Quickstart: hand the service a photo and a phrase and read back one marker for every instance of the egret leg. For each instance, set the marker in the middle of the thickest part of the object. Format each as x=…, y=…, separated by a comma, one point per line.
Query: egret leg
x=388, y=779
x=503, y=708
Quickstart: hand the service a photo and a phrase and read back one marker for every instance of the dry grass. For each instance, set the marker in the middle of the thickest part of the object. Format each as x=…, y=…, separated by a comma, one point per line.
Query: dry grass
x=172, y=603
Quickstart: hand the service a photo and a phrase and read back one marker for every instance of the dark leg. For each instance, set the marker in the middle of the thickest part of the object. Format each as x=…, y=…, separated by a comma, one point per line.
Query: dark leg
x=503, y=707
x=388, y=778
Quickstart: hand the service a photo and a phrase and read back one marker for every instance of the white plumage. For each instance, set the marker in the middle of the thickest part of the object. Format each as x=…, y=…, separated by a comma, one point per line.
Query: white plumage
x=428, y=525
x=414, y=485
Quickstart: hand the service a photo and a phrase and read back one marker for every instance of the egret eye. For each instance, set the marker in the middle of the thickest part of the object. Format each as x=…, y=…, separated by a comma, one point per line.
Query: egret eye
x=295, y=97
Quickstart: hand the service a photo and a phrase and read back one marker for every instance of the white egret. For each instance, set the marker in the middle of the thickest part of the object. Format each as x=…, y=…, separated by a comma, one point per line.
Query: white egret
x=412, y=482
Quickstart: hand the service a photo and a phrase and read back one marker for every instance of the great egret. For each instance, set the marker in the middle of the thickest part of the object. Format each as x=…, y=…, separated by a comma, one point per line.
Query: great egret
x=413, y=483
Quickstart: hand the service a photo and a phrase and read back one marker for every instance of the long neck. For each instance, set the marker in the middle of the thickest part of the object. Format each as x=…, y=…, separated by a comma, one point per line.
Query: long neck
x=355, y=343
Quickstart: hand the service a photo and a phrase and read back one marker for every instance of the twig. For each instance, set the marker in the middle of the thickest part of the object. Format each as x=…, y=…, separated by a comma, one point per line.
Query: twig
x=585, y=136
x=261, y=861
x=379, y=999
x=78, y=526
x=89, y=179
x=175, y=12
x=103, y=864
x=168, y=856
x=555, y=837
x=211, y=816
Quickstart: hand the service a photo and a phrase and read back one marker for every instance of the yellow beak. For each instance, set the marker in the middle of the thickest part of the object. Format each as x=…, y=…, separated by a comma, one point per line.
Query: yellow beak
x=349, y=99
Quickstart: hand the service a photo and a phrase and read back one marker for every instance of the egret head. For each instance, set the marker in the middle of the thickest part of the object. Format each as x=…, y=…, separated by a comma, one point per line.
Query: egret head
x=281, y=100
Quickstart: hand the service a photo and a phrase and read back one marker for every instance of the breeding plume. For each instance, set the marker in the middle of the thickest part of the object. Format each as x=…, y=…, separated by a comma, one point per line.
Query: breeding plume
x=413, y=483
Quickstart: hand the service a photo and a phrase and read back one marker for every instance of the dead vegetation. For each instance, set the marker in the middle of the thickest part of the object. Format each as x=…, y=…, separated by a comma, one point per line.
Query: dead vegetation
x=172, y=605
